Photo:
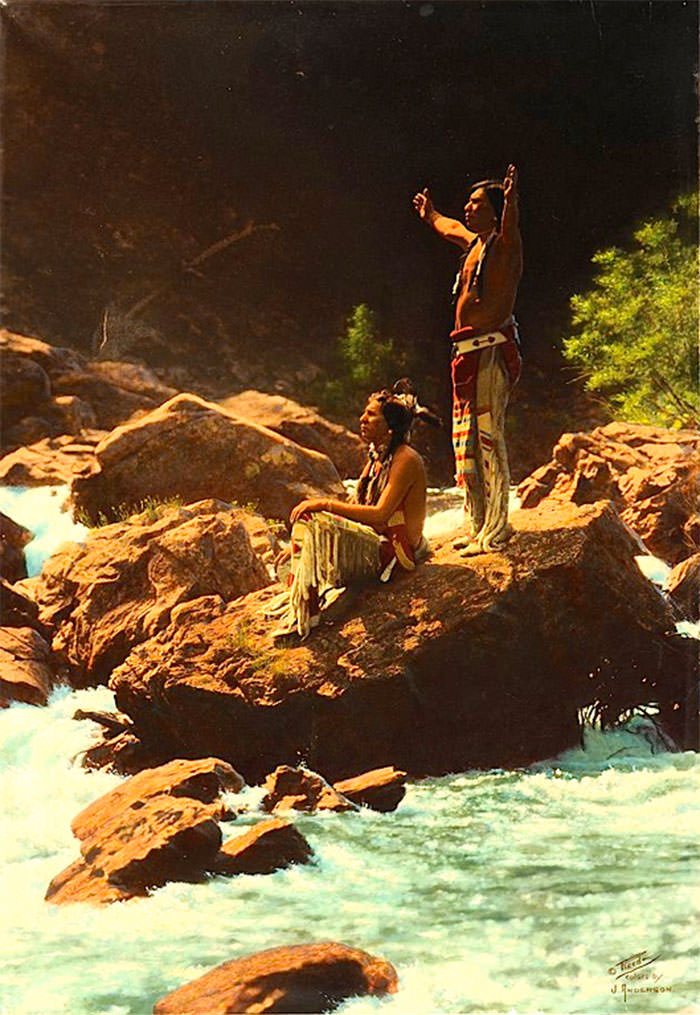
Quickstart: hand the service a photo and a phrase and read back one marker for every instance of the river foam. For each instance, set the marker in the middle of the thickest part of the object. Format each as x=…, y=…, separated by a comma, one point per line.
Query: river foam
x=496, y=891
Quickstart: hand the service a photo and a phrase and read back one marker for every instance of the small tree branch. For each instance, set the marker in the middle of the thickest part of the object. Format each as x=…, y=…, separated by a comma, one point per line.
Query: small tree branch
x=190, y=266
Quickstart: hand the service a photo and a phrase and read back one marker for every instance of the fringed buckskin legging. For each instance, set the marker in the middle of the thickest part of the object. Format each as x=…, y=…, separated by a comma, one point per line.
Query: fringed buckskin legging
x=482, y=382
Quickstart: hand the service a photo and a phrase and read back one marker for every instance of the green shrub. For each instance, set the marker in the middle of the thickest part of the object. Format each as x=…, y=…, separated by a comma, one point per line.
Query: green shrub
x=635, y=335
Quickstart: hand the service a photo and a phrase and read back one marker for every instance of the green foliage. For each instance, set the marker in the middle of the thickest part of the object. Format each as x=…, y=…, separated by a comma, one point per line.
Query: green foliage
x=364, y=361
x=152, y=508
x=636, y=333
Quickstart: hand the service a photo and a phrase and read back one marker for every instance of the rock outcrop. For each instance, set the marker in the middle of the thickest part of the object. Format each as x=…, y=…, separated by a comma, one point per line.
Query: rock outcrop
x=298, y=978
x=652, y=475
x=683, y=586
x=50, y=391
x=268, y=846
x=303, y=425
x=158, y=826
x=26, y=667
x=128, y=580
x=461, y=664
x=381, y=790
x=13, y=539
x=235, y=461
x=51, y=461
x=298, y=789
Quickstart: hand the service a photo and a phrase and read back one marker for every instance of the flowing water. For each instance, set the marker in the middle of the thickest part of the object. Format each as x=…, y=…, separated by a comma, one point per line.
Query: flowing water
x=489, y=891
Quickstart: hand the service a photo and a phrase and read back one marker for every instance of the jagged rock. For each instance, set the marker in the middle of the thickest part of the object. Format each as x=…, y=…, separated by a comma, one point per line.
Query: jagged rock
x=113, y=722
x=124, y=583
x=13, y=539
x=236, y=461
x=158, y=826
x=651, y=474
x=17, y=609
x=683, y=586
x=463, y=663
x=265, y=848
x=52, y=461
x=302, y=425
x=382, y=790
x=298, y=789
x=298, y=978
x=26, y=668
x=124, y=754
x=116, y=391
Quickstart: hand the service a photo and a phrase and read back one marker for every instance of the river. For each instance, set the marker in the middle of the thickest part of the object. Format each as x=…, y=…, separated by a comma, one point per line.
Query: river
x=501, y=891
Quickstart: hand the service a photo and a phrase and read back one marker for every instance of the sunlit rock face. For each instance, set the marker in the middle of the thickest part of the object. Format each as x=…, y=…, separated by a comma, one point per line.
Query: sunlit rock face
x=457, y=665
x=126, y=581
x=651, y=474
x=308, y=977
x=194, y=449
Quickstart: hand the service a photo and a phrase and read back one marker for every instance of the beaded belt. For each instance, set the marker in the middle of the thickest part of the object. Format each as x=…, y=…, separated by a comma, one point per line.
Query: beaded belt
x=484, y=341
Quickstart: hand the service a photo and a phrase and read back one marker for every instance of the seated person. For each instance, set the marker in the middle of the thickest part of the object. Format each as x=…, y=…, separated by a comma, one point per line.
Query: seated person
x=334, y=542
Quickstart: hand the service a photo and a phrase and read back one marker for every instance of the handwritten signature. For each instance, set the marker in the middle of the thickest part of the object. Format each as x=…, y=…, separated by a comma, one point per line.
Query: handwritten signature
x=632, y=963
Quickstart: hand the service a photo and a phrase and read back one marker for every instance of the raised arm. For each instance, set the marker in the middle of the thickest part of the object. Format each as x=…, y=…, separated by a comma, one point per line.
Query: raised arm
x=511, y=213
x=449, y=229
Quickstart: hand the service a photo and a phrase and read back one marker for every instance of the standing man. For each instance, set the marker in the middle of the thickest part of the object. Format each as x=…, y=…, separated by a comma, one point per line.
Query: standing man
x=485, y=350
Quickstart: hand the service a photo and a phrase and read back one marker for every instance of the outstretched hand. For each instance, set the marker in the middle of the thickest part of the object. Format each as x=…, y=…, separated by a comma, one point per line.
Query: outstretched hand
x=423, y=204
x=510, y=181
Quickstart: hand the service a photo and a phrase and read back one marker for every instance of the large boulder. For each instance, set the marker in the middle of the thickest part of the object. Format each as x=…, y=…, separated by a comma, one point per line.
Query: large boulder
x=13, y=539
x=651, y=474
x=101, y=597
x=26, y=668
x=158, y=826
x=463, y=663
x=194, y=449
x=303, y=425
x=298, y=978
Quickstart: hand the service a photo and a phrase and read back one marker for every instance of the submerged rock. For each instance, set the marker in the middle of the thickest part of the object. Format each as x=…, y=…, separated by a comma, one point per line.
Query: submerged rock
x=126, y=581
x=265, y=848
x=235, y=461
x=303, y=425
x=26, y=668
x=158, y=826
x=297, y=789
x=461, y=664
x=298, y=978
x=651, y=474
x=382, y=789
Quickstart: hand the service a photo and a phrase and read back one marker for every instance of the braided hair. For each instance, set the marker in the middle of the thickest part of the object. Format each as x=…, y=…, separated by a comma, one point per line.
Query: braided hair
x=400, y=408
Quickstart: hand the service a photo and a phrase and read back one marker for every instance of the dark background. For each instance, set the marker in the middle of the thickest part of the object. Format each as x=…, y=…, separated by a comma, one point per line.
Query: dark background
x=138, y=134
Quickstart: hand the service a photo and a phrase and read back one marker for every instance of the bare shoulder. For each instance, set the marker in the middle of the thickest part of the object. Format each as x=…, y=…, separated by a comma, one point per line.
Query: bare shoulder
x=408, y=459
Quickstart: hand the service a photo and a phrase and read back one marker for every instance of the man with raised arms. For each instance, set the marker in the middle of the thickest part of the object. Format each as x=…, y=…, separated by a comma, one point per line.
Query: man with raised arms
x=485, y=350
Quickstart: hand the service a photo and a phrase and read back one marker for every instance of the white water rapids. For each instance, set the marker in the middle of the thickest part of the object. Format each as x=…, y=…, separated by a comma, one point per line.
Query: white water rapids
x=489, y=891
